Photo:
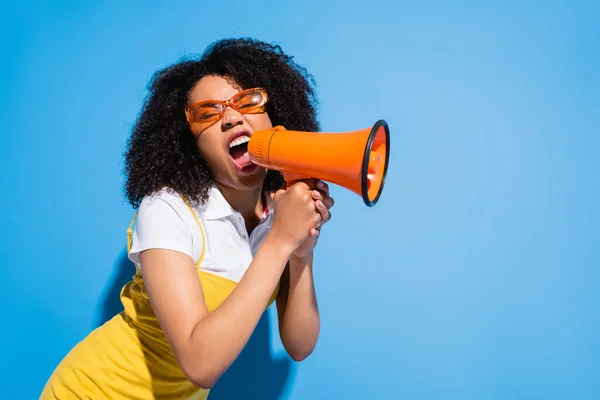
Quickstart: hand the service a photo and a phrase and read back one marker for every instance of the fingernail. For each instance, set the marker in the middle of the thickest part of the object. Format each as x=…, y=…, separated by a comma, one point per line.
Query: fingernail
x=319, y=203
x=320, y=184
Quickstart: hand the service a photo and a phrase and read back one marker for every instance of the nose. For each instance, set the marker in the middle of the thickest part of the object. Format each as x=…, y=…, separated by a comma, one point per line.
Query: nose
x=231, y=118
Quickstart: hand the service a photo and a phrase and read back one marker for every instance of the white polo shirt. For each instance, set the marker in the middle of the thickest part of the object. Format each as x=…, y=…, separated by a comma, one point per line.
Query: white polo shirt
x=164, y=221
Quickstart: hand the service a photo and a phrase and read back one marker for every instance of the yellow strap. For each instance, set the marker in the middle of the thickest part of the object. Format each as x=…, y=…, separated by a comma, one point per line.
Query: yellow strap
x=187, y=203
x=130, y=232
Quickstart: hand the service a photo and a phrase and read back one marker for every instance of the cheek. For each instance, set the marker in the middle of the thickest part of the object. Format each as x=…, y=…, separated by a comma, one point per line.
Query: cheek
x=259, y=121
x=210, y=147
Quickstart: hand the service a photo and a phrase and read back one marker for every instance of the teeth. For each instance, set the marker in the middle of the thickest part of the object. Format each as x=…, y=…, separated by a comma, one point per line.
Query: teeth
x=238, y=141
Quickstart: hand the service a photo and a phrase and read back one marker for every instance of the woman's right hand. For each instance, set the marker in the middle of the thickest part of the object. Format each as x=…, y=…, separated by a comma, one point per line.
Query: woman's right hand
x=295, y=214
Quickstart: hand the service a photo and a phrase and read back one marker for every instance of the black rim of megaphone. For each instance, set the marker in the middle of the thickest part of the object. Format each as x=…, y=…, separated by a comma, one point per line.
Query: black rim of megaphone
x=365, y=164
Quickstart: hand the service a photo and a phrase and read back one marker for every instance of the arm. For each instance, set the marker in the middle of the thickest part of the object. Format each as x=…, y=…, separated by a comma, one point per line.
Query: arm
x=297, y=309
x=206, y=344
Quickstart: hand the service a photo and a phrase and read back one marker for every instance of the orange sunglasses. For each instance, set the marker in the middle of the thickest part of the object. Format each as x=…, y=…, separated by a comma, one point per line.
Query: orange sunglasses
x=249, y=101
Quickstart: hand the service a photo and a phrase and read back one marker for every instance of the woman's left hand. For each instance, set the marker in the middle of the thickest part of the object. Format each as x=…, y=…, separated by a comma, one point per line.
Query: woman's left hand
x=323, y=204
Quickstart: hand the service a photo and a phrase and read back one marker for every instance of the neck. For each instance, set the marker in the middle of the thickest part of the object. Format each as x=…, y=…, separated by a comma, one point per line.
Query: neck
x=248, y=203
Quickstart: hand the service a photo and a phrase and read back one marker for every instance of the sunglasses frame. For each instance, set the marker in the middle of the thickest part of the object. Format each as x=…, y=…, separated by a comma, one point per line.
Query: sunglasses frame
x=227, y=103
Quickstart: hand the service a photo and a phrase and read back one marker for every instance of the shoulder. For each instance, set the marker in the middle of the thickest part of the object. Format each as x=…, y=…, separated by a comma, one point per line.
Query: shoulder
x=165, y=209
x=165, y=221
x=166, y=201
x=161, y=198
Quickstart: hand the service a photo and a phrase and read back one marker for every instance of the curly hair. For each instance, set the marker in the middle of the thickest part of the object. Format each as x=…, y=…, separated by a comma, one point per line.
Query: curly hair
x=162, y=152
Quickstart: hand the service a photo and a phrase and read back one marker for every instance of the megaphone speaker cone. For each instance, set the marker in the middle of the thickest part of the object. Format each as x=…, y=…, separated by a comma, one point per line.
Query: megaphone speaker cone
x=355, y=160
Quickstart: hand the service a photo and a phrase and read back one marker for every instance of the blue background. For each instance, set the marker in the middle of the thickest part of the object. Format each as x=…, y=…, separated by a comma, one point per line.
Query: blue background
x=476, y=275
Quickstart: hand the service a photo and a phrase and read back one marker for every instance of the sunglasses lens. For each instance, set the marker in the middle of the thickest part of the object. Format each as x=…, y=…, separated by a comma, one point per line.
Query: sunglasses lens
x=250, y=102
x=206, y=112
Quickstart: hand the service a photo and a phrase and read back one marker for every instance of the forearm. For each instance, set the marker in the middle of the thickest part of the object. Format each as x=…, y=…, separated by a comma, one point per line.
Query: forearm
x=218, y=338
x=300, y=324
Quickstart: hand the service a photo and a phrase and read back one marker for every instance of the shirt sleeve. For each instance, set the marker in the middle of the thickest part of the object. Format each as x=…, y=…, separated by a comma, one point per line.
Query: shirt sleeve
x=159, y=225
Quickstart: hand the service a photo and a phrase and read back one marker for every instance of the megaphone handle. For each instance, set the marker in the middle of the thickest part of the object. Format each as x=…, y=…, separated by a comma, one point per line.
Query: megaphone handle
x=291, y=178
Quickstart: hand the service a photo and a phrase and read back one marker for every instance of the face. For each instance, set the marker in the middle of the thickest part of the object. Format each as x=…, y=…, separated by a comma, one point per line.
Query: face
x=224, y=143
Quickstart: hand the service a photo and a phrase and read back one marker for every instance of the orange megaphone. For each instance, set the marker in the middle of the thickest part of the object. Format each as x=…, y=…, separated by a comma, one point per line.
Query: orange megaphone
x=355, y=160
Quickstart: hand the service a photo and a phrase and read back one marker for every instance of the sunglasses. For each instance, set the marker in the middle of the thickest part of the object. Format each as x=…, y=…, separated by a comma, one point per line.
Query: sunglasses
x=249, y=101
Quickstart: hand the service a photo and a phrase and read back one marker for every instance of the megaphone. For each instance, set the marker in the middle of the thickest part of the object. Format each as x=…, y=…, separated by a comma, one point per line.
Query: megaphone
x=356, y=160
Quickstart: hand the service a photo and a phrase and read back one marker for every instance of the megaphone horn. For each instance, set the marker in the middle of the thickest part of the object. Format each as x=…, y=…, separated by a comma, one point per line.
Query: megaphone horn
x=356, y=160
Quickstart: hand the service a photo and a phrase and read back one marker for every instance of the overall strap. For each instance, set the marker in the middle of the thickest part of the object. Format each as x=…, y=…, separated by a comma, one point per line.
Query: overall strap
x=130, y=232
x=187, y=203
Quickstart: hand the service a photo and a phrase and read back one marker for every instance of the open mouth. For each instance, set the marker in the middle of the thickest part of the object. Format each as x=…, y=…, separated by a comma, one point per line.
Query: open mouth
x=238, y=150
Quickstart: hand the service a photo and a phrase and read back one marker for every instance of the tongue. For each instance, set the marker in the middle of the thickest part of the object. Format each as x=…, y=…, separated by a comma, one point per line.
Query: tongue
x=240, y=155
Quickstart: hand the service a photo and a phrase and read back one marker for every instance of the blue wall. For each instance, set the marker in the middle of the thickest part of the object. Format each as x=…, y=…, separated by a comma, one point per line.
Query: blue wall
x=475, y=277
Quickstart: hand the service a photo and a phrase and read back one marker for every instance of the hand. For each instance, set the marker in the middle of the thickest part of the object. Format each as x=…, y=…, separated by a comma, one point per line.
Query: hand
x=323, y=204
x=296, y=215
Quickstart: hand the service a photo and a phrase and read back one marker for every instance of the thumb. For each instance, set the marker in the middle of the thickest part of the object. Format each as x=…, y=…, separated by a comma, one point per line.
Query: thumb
x=275, y=195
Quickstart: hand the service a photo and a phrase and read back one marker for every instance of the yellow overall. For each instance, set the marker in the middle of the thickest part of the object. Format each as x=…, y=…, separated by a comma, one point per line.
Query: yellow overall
x=129, y=357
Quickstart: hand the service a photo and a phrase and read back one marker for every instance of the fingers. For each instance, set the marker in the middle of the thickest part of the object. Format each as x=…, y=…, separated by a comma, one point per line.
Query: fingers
x=312, y=183
x=323, y=202
x=324, y=211
x=322, y=193
x=317, y=199
x=322, y=186
x=328, y=201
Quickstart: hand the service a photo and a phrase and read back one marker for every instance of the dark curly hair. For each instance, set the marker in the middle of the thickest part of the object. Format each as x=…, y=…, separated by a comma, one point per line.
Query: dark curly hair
x=162, y=151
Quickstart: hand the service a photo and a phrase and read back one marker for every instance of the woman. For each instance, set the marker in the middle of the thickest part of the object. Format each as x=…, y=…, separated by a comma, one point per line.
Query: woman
x=216, y=239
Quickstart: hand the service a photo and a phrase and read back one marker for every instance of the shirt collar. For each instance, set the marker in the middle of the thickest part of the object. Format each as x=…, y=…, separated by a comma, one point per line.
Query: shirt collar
x=269, y=206
x=217, y=207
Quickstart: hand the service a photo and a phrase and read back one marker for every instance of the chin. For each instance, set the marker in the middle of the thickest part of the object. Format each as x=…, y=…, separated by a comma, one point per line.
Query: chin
x=249, y=178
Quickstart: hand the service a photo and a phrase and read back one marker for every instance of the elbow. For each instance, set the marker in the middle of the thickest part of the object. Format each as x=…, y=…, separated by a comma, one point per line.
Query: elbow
x=202, y=377
x=299, y=348
x=203, y=382
x=300, y=354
